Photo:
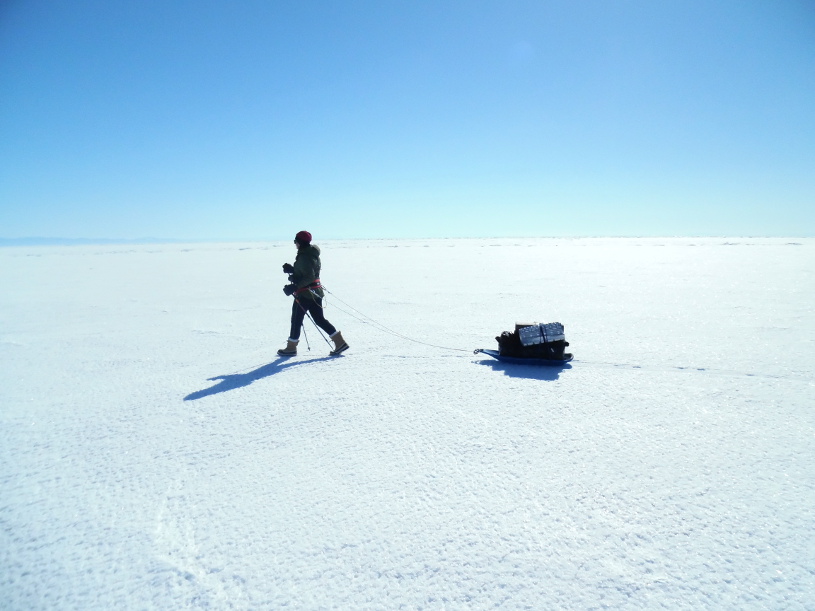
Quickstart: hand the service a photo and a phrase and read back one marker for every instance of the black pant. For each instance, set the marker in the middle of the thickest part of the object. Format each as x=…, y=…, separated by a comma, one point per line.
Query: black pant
x=314, y=306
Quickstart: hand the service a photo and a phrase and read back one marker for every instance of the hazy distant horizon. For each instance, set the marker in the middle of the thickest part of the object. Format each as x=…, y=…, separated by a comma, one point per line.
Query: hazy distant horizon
x=58, y=241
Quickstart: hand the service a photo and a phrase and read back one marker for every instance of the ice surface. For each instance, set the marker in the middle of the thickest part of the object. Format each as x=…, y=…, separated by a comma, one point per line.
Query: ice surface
x=156, y=454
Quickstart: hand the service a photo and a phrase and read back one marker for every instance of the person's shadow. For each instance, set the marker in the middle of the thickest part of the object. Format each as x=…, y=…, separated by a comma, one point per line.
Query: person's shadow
x=239, y=380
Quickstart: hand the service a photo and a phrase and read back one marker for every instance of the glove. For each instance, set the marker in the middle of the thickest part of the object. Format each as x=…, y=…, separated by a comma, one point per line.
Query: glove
x=289, y=289
x=288, y=268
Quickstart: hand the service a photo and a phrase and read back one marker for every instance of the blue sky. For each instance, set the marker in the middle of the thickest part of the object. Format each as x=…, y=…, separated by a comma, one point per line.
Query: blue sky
x=356, y=119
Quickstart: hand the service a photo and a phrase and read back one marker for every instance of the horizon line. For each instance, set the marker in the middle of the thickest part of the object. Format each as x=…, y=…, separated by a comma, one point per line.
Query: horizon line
x=59, y=241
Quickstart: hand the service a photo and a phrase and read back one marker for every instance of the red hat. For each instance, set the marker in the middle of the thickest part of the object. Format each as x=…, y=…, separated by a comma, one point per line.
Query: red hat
x=304, y=237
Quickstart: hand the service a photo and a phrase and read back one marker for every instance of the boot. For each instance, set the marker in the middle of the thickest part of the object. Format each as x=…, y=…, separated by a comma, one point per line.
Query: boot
x=339, y=344
x=290, y=349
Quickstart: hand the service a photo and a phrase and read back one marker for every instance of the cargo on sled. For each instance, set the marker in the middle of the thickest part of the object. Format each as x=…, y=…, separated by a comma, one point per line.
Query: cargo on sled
x=531, y=344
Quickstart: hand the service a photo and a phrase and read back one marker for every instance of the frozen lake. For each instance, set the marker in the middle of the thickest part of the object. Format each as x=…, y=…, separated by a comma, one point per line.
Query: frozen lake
x=155, y=453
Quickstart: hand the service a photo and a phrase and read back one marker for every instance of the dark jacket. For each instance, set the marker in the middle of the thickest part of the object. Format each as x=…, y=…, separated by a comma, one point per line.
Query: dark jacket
x=307, y=270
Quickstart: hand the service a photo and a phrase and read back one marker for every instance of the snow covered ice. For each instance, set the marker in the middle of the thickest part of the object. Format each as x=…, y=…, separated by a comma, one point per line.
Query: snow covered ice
x=155, y=453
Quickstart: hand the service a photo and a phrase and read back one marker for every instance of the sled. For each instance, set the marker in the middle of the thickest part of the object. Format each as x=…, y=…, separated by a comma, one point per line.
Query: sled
x=519, y=360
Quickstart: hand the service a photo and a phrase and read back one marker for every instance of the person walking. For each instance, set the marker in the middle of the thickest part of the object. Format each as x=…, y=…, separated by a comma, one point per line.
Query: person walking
x=304, y=284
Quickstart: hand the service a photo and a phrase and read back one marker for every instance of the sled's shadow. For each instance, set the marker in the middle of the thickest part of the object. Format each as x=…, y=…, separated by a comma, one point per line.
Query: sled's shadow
x=239, y=380
x=529, y=372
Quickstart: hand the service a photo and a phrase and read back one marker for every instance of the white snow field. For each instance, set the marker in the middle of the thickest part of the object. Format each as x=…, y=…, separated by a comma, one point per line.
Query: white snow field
x=155, y=453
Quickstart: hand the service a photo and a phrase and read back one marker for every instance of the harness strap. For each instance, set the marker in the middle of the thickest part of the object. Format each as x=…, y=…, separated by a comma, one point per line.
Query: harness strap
x=314, y=285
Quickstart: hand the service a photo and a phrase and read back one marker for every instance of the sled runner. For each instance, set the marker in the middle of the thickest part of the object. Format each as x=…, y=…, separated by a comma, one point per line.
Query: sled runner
x=519, y=360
